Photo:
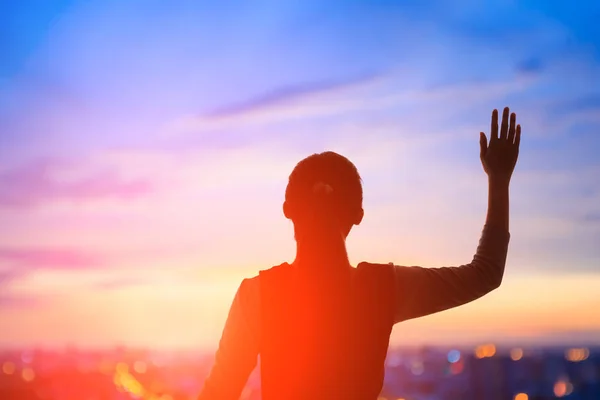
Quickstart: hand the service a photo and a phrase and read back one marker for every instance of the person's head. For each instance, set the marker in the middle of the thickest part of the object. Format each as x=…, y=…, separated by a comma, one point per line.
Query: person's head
x=324, y=195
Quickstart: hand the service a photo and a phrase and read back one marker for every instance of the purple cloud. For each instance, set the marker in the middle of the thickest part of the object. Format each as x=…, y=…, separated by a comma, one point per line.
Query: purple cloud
x=291, y=93
x=35, y=183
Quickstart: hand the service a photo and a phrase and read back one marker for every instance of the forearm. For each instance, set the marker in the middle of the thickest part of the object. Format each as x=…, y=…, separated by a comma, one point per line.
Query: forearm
x=498, y=203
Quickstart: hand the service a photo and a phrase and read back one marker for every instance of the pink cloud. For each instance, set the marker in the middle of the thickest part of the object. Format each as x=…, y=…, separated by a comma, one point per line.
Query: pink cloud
x=20, y=262
x=19, y=301
x=33, y=258
x=36, y=183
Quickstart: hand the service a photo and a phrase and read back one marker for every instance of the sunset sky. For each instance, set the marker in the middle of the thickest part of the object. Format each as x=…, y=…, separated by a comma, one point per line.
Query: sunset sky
x=145, y=147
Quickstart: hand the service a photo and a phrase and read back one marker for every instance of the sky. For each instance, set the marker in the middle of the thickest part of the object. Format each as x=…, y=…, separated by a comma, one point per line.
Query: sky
x=145, y=148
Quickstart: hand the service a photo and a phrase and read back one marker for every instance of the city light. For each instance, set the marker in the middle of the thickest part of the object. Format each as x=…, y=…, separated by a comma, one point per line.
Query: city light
x=27, y=374
x=417, y=368
x=75, y=375
x=577, y=354
x=456, y=368
x=563, y=388
x=516, y=354
x=8, y=368
x=453, y=356
x=139, y=367
x=484, y=351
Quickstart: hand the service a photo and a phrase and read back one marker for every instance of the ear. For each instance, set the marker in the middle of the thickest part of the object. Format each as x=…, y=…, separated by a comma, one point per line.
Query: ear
x=359, y=217
x=287, y=210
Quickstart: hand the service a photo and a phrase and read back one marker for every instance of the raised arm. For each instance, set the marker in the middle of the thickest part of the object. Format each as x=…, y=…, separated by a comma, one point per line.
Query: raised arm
x=422, y=291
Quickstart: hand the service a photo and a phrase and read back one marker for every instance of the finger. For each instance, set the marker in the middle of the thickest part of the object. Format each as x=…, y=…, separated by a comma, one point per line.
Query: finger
x=494, y=130
x=482, y=144
x=511, y=129
x=518, y=137
x=504, y=126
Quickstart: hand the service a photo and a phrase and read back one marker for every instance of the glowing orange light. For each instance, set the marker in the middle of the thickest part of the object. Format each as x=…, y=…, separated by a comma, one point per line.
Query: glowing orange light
x=487, y=350
x=27, y=374
x=560, y=389
x=521, y=396
x=516, y=354
x=8, y=368
x=480, y=352
x=576, y=354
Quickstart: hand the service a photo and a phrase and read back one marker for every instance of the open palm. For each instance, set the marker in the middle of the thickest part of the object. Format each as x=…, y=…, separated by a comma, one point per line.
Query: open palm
x=499, y=157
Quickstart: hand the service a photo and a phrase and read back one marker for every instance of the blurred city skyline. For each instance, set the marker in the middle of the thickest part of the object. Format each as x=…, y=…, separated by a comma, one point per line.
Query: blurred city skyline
x=145, y=147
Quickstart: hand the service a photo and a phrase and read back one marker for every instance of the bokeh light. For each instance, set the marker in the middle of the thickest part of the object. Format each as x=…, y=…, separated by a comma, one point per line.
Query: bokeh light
x=8, y=368
x=453, y=356
x=484, y=351
x=516, y=354
x=140, y=367
x=28, y=374
x=577, y=354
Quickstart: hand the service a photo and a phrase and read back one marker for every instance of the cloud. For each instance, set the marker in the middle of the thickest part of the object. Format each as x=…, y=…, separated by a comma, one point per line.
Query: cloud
x=288, y=103
x=49, y=180
x=312, y=103
x=117, y=283
x=19, y=302
x=34, y=258
x=18, y=265
x=25, y=271
x=293, y=93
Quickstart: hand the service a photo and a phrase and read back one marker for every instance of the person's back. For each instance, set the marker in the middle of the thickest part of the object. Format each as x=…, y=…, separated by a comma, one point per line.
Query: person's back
x=330, y=334
x=321, y=326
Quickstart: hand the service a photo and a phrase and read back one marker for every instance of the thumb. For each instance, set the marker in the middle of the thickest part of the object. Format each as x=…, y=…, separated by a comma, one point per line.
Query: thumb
x=482, y=144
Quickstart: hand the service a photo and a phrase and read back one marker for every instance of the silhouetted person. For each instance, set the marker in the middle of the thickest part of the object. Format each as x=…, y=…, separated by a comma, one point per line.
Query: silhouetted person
x=321, y=326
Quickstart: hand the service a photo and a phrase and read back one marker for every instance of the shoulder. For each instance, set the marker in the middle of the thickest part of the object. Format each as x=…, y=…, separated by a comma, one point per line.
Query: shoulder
x=398, y=274
x=249, y=285
x=276, y=270
x=374, y=269
x=249, y=290
x=376, y=273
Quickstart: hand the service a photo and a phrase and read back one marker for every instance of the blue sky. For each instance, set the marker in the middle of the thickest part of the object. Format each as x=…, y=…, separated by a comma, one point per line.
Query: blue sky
x=130, y=130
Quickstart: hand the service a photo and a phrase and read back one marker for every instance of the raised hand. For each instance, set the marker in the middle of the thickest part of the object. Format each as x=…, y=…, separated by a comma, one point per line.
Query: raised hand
x=499, y=157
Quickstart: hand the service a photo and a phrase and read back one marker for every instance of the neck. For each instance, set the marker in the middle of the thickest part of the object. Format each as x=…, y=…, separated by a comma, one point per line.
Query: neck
x=322, y=254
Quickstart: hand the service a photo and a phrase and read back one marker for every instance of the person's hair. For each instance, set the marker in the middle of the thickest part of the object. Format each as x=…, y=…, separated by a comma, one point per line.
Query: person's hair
x=327, y=182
